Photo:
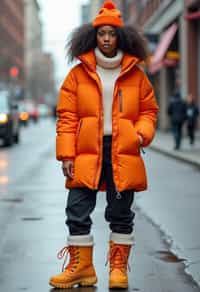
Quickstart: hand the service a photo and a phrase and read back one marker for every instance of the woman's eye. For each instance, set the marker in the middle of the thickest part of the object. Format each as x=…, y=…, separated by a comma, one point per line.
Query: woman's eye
x=100, y=33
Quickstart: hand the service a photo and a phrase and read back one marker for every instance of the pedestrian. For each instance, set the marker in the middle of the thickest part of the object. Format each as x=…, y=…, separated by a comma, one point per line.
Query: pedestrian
x=106, y=112
x=192, y=113
x=177, y=113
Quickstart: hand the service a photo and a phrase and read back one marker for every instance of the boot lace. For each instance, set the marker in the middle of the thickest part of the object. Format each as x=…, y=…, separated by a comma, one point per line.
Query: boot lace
x=73, y=252
x=118, y=258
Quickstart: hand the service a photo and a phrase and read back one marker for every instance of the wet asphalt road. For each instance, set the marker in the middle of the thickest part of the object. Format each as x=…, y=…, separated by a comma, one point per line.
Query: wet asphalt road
x=32, y=229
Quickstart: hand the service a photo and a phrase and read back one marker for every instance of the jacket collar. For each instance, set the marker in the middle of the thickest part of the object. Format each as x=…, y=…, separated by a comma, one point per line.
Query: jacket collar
x=89, y=60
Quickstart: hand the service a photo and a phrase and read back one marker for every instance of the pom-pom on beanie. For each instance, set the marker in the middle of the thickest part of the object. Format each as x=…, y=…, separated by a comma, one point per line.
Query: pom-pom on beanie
x=108, y=15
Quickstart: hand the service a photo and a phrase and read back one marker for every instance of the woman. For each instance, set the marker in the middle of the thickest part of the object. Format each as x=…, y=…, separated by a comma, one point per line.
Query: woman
x=106, y=113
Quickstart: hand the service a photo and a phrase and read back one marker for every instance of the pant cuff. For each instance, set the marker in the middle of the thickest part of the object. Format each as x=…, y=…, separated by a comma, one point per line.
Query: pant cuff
x=80, y=240
x=121, y=238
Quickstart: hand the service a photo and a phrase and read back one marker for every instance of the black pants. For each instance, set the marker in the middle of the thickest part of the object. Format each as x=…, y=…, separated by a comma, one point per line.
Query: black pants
x=191, y=132
x=82, y=201
x=177, y=133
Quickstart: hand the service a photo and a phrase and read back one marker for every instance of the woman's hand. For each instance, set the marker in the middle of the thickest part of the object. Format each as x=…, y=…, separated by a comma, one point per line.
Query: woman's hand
x=68, y=168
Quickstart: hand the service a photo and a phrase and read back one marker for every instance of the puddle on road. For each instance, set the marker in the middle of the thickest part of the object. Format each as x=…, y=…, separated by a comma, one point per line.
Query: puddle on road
x=168, y=256
x=12, y=200
x=32, y=218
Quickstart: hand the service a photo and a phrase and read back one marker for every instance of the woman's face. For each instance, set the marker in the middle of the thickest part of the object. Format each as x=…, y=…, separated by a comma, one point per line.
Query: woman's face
x=107, y=40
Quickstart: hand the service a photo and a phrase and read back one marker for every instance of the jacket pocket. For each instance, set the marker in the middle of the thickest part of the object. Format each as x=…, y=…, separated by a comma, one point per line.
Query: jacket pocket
x=136, y=139
x=128, y=140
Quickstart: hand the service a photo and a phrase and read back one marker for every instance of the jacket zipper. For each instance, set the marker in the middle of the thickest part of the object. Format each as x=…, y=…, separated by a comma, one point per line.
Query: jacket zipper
x=99, y=139
x=118, y=195
x=120, y=101
x=79, y=128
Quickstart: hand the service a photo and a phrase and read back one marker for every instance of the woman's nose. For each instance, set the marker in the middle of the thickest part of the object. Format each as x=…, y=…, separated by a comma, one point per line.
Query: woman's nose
x=106, y=37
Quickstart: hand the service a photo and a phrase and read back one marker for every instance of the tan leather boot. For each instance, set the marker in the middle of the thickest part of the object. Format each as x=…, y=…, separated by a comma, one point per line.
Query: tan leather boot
x=80, y=269
x=118, y=258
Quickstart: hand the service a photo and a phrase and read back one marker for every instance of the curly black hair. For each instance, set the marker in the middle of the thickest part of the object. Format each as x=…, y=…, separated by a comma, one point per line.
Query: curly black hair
x=83, y=39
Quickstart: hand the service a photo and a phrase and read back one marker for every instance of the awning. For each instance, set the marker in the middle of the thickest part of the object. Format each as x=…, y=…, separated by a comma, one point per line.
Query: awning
x=193, y=15
x=163, y=17
x=165, y=41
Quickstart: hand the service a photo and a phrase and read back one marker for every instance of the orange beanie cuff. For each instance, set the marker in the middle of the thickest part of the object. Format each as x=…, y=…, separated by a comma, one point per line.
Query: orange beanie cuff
x=108, y=15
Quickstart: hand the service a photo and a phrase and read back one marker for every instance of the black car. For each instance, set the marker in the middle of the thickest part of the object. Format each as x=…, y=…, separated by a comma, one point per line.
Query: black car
x=9, y=120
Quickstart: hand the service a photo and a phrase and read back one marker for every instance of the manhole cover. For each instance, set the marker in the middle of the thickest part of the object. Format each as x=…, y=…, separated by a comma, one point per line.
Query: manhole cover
x=32, y=218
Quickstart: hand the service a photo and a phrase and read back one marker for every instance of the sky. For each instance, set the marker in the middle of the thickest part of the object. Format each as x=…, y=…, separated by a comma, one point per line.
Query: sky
x=59, y=18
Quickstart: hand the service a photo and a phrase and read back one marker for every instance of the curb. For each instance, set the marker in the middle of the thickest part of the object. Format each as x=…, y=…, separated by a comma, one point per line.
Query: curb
x=178, y=156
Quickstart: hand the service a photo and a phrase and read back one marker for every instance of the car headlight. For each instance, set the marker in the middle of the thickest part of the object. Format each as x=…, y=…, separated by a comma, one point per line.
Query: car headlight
x=3, y=118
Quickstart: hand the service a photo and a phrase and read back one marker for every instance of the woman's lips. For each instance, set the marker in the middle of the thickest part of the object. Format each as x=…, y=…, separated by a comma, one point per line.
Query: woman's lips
x=106, y=46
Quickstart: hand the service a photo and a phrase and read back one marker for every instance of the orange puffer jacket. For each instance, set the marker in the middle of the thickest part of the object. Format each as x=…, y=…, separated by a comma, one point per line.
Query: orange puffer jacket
x=80, y=124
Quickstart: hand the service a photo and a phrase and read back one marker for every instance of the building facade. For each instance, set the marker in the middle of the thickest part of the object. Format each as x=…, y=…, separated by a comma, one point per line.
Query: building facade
x=47, y=79
x=11, y=41
x=163, y=24
x=85, y=13
x=179, y=49
x=33, y=48
x=192, y=19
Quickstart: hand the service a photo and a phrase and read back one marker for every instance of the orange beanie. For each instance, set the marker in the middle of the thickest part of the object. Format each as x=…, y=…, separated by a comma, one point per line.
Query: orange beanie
x=108, y=15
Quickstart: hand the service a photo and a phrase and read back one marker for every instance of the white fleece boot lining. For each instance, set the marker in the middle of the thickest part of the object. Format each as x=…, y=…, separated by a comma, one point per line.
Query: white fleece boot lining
x=80, y=240
x=120, y=238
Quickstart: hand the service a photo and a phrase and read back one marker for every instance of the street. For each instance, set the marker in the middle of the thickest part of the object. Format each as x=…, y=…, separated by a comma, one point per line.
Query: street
x=166, y=254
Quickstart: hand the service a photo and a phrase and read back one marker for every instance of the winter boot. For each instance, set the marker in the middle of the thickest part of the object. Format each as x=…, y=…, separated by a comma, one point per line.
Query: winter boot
x=118, y=257
x=80, y=269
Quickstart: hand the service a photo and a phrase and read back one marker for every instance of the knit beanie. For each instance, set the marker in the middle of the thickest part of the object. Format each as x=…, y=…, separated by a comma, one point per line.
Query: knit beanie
x=108, y=15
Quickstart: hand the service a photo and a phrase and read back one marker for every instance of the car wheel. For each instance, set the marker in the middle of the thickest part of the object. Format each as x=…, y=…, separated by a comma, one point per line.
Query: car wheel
x=8, y=141
x=16, y=138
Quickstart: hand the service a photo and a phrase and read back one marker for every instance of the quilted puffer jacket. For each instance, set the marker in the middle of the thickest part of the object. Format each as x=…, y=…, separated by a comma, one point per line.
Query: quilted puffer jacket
x=80, y=124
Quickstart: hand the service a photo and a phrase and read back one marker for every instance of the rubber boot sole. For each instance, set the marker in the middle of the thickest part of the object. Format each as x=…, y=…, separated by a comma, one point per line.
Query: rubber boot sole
x=118, y=285
x=89, y=281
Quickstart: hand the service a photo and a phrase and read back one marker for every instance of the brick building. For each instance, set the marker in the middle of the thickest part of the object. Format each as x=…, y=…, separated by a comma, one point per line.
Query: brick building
x=11, y=39
x=192, y=18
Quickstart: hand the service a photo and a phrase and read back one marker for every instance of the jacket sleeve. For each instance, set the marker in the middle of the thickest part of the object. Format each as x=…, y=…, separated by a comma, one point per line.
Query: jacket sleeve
x=67, y=121
x=148, y=108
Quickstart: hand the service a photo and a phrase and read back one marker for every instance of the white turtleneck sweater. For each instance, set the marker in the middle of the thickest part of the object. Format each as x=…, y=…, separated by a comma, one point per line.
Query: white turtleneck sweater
x=108, y=70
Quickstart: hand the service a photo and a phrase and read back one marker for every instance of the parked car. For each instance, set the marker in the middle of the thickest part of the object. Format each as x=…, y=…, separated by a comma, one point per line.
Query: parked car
x=9, y=120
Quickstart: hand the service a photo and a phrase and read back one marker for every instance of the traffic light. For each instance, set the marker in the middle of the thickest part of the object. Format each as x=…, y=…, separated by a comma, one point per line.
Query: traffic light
x=14, y=72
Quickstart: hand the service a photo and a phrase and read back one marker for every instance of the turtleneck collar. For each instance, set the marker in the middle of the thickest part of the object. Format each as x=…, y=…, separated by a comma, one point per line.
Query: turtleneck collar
x=108, y=63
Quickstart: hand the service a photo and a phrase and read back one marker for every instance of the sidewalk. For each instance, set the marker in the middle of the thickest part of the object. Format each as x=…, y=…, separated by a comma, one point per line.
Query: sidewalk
x=163, y=142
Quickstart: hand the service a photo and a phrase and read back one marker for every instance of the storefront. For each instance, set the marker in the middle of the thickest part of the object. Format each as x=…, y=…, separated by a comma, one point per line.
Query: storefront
x=164, y=67
x=165, y=63
x=192, y=17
